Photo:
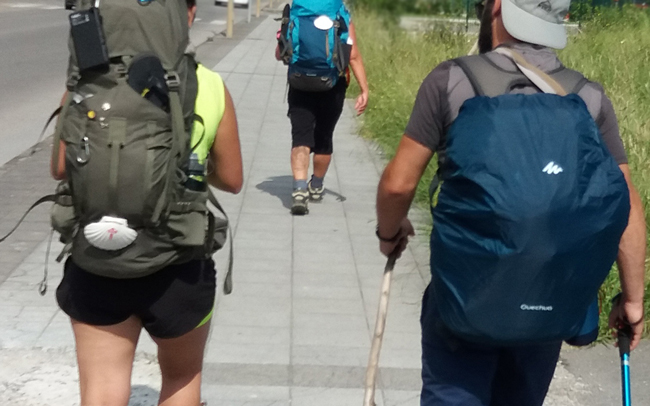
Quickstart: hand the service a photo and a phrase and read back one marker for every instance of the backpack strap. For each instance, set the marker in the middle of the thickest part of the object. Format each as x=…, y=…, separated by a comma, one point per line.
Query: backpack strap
x=562, y=81
x=178, y=148
x=488, y=79
x=54, y=114
x=541, y=79
x=573, y=81
x=286, y=52
x=44, y=199
x=227, y=284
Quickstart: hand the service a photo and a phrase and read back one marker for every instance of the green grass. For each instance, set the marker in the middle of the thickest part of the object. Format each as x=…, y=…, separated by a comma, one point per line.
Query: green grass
x=613, y=49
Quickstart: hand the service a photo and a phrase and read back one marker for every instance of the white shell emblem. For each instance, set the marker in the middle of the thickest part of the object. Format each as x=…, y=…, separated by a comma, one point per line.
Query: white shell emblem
x=110, y=233
x=323, y=23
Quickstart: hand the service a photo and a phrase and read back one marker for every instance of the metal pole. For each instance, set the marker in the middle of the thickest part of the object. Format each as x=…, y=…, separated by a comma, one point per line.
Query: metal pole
x=231, y=18
x=624, y=337
x=248, y=7
x=259, y=7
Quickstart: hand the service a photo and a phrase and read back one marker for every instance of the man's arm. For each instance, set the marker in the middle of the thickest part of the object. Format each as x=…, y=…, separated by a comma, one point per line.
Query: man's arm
x=631, y=266
x=356, y=63
x=395, y=194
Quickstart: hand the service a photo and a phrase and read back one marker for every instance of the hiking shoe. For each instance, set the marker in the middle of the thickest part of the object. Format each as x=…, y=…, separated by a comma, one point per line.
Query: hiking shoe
x=300, y=198
x=315, y=194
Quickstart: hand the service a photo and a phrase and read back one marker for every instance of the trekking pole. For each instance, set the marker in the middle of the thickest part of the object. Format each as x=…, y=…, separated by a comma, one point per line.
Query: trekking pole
x=380, y=324
x=624, y=337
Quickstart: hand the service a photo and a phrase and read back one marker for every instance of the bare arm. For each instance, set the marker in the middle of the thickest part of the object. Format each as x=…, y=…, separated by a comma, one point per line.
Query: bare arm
x=225, y=155
x=396, y=191
x=57, y=163
x=356, y=63
x=631, y=266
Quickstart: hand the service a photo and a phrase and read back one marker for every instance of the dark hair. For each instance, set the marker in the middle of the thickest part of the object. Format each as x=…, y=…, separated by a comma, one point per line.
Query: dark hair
x=191, y=3
x=485, y=30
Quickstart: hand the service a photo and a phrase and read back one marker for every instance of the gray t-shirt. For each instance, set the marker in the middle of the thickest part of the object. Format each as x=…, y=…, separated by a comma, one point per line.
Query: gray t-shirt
x=446, y=88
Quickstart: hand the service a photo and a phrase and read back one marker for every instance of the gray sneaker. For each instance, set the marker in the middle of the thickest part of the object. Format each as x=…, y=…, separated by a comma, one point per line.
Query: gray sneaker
x=300, y=198
x=315, y=194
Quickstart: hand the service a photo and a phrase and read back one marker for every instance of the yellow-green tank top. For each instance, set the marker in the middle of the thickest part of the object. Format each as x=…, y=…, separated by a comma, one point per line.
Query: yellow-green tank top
x=210, y=106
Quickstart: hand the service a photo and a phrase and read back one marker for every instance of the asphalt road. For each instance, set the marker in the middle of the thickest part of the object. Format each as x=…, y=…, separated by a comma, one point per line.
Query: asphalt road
x=33, y=61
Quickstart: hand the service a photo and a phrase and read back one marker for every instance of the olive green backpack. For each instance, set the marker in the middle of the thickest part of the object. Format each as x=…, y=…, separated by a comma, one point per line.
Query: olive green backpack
x=127, y=155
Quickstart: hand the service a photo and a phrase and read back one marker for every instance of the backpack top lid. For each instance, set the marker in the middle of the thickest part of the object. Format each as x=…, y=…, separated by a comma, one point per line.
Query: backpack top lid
x=315, y=7
x=132, y=27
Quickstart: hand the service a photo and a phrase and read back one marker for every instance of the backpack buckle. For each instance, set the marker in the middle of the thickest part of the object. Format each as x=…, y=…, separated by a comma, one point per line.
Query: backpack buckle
x=73, y=79
x=121, y=70
x=173, y=81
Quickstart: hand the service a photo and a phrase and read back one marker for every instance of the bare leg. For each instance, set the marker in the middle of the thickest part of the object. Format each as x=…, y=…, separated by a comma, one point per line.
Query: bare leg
x=321, y=164
x=105, y=357
x=300, y=162
x=181, y=361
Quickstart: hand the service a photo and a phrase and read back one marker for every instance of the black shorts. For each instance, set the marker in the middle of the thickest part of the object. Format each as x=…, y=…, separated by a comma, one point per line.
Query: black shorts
x=170, y=302
x=314, y=116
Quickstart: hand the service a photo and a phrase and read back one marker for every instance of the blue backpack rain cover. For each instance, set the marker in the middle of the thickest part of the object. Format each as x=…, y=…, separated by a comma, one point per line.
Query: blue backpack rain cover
x=528, y=220
x=318, y=56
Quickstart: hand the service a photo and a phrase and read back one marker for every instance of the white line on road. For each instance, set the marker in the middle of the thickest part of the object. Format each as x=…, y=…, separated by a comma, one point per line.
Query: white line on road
x=32, y=5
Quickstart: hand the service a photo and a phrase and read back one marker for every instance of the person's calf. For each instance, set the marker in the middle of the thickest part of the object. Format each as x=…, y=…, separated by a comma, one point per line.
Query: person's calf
x=180, y=390
x=181, y=362
x=300, y=162
x=321, y=163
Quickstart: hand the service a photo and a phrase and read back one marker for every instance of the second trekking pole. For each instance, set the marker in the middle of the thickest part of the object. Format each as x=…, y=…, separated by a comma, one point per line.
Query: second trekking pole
x=624, y=337
x=380, y=324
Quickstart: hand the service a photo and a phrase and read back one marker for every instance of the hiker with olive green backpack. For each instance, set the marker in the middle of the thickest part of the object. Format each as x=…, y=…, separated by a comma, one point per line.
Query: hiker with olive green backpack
x=143, y=133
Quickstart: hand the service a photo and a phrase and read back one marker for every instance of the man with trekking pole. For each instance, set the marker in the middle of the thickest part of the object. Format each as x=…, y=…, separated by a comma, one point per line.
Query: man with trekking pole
x=535, y=203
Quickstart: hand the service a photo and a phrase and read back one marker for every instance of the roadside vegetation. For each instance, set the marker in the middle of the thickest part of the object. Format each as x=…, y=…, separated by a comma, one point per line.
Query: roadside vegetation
x=612, y=48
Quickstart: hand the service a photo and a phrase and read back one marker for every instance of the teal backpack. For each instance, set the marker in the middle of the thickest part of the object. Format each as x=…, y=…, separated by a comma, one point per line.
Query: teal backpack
x=315, y=43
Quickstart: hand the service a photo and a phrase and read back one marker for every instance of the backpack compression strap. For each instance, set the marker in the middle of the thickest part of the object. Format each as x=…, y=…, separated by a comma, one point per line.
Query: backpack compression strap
x=227, y=284
x=178, y=149
x=44, y=199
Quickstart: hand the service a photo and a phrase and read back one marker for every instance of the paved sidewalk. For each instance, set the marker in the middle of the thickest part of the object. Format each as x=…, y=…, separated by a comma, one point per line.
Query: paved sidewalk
x=297, y=328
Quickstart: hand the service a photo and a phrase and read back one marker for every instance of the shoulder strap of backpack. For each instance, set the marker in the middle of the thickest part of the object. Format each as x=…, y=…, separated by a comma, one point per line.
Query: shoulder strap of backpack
x=541, y=79
x=486, y=78
x=573, y=81
x=562, y=81
x=178, y=147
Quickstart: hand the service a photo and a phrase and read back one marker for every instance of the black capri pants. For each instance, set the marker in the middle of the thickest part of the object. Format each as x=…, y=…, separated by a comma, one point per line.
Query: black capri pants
x=314, y=116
